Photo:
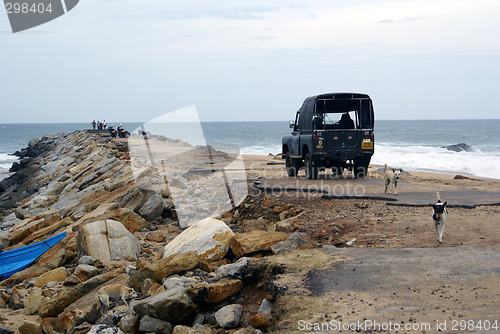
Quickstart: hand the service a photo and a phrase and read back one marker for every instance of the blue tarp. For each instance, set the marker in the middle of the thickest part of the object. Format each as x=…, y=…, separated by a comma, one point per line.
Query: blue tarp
x=17, y=259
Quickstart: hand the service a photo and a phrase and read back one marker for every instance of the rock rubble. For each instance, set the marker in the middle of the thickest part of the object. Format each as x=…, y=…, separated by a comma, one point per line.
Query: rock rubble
x=121, y=229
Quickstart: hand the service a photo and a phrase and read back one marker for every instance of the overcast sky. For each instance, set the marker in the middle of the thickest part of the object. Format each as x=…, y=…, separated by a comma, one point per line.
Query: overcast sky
x=134, y=60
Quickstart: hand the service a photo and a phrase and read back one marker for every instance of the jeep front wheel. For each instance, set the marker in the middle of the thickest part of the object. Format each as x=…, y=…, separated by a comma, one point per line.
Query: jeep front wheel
x=311, y=171
x=292, y=166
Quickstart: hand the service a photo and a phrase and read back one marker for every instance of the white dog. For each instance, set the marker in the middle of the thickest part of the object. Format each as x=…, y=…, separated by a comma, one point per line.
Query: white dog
x=392, y=178
x=113, y=292
x=439, y=217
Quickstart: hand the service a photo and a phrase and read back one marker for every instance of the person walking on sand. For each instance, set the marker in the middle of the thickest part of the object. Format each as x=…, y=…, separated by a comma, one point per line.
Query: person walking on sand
x=93, y=124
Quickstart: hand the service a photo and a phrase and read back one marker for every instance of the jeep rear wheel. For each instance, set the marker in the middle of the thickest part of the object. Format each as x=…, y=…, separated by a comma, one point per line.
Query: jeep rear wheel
x=361, y=167
x=292, y=166
x=311, y=171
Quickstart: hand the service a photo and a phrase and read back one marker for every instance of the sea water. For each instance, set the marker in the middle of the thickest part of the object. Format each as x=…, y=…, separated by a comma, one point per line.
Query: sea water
x=411, y=145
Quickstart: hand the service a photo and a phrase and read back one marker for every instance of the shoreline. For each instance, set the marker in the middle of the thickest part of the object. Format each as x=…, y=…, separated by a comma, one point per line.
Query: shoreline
x=285, y=238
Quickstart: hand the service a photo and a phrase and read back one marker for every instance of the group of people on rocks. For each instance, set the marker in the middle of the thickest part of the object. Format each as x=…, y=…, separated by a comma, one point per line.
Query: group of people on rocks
x=99, y=125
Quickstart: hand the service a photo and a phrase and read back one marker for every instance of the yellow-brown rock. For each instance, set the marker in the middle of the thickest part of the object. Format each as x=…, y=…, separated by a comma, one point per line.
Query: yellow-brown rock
x=215, y=291
x=255, y=241
x=261, y=321
x=32, y=227
x=55, y=275
x=163, y=268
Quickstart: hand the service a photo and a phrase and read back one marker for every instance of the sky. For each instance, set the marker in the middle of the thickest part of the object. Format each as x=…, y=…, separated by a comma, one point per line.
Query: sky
x=133, y=61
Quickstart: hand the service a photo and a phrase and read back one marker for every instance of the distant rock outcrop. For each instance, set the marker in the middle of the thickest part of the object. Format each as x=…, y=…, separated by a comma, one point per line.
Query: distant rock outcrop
x=460, y=147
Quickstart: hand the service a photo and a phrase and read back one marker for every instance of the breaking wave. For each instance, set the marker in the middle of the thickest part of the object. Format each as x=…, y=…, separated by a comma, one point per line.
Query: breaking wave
x=420, y=157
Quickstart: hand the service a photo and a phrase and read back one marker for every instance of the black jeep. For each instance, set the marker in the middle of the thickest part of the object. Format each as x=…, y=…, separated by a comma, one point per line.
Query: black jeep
x=334, y=131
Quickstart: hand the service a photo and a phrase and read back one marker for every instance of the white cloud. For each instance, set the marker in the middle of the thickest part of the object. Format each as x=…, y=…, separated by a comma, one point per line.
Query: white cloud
x=154, y=56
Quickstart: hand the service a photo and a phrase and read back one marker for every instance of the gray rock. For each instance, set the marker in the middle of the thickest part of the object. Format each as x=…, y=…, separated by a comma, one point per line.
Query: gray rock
x=130, y=269
x=105, y=329
x=173, y=305
x=9, y=221
x=229, y=316
x=85, y=271
x=86, y=259
x=153, y=208
x=236, y=269
x=199, y=319
x=22, y=213
x=129, y=322
x=460, y=147
x=265, y=307
x=177, y=282
x=294, y=241
x=5, y=330
x=152, y=325
x=32, y=143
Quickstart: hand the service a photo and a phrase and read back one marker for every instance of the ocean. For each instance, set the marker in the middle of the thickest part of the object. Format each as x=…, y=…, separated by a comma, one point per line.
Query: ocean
x=418, y=145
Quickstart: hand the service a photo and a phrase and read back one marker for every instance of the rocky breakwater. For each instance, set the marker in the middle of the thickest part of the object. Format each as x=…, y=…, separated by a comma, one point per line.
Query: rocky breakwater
x=122, y=229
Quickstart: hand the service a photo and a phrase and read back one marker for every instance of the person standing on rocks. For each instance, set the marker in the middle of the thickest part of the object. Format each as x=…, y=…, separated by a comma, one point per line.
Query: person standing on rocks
x=93, y=124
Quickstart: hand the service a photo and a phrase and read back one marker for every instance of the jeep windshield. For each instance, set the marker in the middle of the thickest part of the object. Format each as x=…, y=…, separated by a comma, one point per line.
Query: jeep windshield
x=338, y=113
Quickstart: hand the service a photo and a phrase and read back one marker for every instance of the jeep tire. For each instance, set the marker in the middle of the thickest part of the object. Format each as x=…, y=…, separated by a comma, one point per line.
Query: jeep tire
x=292, y=166
x=311, y=171
x=361, y=167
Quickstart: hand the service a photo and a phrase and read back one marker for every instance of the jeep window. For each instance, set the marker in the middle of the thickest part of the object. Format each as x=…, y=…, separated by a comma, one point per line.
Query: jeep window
x=305, y=116
x=328, y=121
x=343, y=114
x=296, y=127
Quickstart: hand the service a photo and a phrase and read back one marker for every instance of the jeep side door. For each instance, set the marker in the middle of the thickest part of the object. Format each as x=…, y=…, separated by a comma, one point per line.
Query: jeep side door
x=296, y=137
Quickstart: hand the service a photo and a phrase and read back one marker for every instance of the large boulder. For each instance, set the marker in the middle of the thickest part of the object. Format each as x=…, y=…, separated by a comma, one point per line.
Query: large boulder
x=209, y=238
x=107, y=240
x=255, y=241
